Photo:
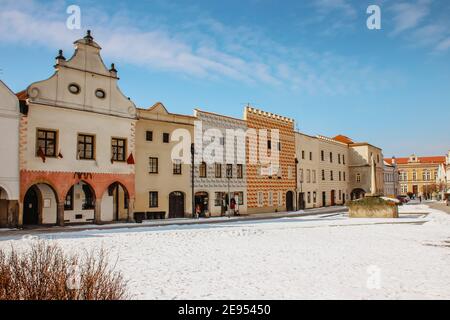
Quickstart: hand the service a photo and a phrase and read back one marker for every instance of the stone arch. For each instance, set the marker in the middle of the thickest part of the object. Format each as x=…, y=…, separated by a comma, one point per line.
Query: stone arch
x=357, y=193
x=116, y=203
x=5, y=194
x=41, y=205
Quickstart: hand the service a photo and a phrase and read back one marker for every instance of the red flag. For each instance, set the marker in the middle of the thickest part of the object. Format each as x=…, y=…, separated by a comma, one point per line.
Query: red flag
x=41, y=154
x=130, y=159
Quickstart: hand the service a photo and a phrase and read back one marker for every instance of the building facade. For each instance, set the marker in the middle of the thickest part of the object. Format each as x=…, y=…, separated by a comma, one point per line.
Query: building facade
x=418, y=175
x=9, y=149
x=162, y=181
x=322, y=178
x=220, y=179
x=391, y=182
x=77, y=144
x=270, y=187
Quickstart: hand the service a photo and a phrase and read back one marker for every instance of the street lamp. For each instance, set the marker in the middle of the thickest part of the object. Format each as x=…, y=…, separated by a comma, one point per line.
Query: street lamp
x=192, y=179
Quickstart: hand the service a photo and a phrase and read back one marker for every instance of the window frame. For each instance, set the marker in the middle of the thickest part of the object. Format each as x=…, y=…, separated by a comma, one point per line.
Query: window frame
x=151, y=165
x=115, y=156
x=55, y=141
x=152, y=204
x=85, y=135
x=177, y=167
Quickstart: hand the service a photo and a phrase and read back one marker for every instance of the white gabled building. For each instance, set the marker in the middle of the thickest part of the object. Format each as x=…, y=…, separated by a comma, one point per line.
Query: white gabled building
x=9, y=153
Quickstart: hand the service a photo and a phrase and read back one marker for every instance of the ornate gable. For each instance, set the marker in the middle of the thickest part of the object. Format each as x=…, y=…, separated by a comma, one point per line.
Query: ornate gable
x=84, y=83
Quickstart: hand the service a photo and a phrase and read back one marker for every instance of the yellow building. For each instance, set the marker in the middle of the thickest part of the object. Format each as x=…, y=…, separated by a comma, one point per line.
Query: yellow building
x=418, y=175
x=163, y=187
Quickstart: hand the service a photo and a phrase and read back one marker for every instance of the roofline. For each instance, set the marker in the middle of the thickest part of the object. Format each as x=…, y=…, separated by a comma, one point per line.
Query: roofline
x=219, y=115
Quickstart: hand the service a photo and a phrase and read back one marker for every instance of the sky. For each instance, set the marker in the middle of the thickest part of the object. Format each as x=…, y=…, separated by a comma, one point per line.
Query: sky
x=312, y=60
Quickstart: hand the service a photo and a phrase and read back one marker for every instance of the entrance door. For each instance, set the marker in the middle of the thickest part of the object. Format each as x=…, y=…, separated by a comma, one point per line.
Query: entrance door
x=30, y=208
x=416, y=190
x=290, y=201
x=324, y=199
x=333, y=198
x=176, y=205
x=301, y=201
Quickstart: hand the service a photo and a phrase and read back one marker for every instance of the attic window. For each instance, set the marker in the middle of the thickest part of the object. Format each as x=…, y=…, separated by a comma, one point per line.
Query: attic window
x=74, y=88
x=100, y=94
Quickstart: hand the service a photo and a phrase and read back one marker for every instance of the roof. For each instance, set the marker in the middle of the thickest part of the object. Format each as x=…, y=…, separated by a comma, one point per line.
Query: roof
x=430, y=160
x=343, y=139
x=22, y=95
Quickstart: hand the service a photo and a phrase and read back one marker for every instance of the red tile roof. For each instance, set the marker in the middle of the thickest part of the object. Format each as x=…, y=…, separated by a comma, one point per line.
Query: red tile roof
x=431, y=160
x=343, y=139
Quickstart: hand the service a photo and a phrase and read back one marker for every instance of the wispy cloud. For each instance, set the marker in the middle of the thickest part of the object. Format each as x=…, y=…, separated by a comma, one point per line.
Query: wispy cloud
x=409, y=15
x=205, y=48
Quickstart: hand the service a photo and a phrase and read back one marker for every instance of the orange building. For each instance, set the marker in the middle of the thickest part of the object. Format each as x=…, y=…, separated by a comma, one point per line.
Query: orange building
x=269, y=191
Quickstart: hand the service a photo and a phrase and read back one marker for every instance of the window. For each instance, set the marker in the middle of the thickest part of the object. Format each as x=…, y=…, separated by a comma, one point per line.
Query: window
x=260, y=198
x=86, y=147
x=308, y=176
x=46, y=142
x=99, y=93
x=414, y=175
x=270, y=198
x=314, y=196
x=358, y=177
x=314, y=178
x=343, y=159
x=279, y=146
x=378, y=158
x=166, y=137
x=218, y=199
x=118, y=149
x=301, y=175
x=309, y=197
x=229, y=171
x=322, y=155
x=240, y=171
x=153, y=165
x=331, y=175
x=149, y=135
x=218, y=170
x=323, y=175
x=177, y=167
x=339, y=158
x=269, y=144
x=340, y=176
x=303, y=154
x=74, y=88
x=280, y=198
x=340, y=194
x=202, y=170
x=222, y=141
x=153, y=199
x=68, y=202
x=345, y=176
x=310, y=156
x=331, y=157
x=241, y=198
x=89, y=198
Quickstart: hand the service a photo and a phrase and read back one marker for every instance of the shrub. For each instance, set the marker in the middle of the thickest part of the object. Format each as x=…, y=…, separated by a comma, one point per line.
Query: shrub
x=44, y=272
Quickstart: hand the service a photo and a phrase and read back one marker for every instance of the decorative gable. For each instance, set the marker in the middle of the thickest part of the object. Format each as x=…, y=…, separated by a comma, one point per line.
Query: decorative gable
x=84, y=83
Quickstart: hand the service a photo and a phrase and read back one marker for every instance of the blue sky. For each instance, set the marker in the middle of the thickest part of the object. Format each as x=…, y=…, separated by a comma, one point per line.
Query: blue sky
x=314, y=61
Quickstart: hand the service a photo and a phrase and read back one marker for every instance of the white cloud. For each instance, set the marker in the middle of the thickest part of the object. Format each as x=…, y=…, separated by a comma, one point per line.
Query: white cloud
x=409, y=15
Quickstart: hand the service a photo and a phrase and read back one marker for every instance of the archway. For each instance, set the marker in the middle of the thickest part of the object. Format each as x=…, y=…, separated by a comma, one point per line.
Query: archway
x=115, y=203
x=176, y=205
x=40, y=205
x=201, y=203
x=289, y=201
x=79, y=204
x=357, y=194
x=4, y=207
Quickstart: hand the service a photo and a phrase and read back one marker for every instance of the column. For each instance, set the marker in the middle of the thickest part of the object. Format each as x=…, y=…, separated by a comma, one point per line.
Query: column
x=130, y=217
x=98, y=212
x=60, y=214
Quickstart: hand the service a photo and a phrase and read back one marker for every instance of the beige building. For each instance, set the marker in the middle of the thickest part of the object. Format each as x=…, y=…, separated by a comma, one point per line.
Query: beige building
x=163, y=184
x=77, y=143
x=9, y=151
x=391, y=179
x=322, y=171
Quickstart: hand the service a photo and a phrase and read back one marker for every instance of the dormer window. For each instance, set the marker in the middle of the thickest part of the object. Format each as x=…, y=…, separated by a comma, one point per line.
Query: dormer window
x=74, y=88
x=99, y=93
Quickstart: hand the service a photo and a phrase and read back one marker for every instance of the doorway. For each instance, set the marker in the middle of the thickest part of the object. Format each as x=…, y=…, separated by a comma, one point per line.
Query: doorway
x=289, y=201
x=301, y=201
x=176, y=205
x=31, y=207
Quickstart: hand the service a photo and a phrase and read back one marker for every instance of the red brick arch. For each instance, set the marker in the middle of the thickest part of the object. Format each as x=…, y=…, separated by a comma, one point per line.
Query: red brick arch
x=61, y=182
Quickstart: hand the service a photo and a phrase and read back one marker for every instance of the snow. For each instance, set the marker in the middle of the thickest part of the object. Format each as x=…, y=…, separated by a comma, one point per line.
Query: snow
x=328, y=256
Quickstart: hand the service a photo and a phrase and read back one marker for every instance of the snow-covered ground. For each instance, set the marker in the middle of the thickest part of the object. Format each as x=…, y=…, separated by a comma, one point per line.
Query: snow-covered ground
x=315, y=257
